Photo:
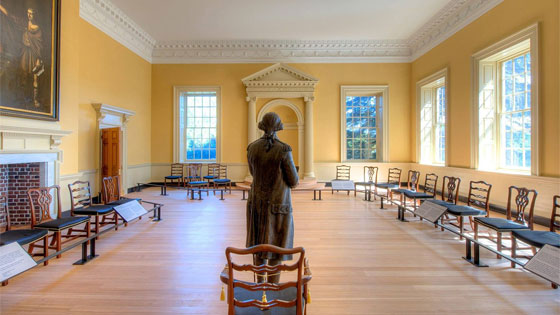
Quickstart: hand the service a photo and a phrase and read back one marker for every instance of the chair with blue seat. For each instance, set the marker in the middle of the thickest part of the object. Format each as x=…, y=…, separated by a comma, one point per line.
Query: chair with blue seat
x=23, y=236
x=449, y=191
x=222, y=178
x=194, y=180
x=176, y=177
x=213, y=172
x=393, y=182
x=478, y=204
x=40, y=200
x=264, y=295
x=111, y=192
x=429, y=192
x=81, y=204
x=370, y=179
x=524, y=200
x=412, y=185
x=539, y=239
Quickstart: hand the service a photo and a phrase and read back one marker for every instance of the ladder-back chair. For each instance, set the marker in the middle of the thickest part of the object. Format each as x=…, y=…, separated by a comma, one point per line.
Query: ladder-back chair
x=393, y=182
x=222, y=178
x=342, y=173
x=412, y=184
x=247, y=297
x=194, y=178
x=524, y=200
x=478, y=204
x=430, y=183
x=40, y=200
x=82, y=204
x=370, y=179
x=177, y=175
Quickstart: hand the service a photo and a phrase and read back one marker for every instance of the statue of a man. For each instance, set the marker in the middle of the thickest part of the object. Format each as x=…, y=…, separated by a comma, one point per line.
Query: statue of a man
x=269, y=207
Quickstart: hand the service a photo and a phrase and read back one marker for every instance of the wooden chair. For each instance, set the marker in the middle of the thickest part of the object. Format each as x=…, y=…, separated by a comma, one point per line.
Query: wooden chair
x=111, y=192
x=393, y=182
x=40, y=200
x=222, y=179
x=370, y=179
x=24, y=236
x=213, y=172
x=82, y=204
x=177, y=175
x=449, y=191
x=244, y=297
x=479, y=197
x=342, y=173
x=539, y=238
x=194, y=178
x=412, y=184
x=430, y=184
x=523, y=198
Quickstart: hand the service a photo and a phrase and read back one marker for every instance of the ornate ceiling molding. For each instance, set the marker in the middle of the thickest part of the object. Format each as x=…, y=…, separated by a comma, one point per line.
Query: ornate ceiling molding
x=255, y=51
x=104, y=15
x=449, y=20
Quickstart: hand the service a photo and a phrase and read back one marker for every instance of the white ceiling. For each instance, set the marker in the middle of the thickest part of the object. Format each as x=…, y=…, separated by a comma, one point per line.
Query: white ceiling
x=170, y=20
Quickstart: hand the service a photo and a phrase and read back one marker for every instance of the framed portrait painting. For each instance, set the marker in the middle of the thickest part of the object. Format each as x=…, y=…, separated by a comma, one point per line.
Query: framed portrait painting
x=29, y=58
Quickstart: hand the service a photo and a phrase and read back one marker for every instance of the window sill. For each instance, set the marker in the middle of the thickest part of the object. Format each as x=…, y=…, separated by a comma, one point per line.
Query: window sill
x=507, y=171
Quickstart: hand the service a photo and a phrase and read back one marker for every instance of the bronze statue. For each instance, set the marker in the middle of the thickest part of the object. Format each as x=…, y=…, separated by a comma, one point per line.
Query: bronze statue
x=269, y=207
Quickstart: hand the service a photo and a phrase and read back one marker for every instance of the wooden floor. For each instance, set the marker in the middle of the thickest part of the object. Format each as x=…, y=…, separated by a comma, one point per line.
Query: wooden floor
x=363, y=260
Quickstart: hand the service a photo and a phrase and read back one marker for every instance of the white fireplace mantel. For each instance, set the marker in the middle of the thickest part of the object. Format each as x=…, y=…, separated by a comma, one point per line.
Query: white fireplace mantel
x=31, y=140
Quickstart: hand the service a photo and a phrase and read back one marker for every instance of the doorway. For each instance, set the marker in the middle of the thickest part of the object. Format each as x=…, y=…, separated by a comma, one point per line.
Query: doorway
x=111, y=153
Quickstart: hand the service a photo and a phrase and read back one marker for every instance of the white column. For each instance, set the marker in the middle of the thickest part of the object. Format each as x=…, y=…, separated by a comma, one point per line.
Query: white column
x=308, y=169
x=251, y=126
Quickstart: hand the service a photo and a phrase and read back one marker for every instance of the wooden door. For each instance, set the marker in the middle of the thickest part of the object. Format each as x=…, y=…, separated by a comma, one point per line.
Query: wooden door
x=111, y=152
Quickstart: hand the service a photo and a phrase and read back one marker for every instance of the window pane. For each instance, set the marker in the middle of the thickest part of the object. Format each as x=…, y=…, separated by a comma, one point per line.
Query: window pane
x=519, y=65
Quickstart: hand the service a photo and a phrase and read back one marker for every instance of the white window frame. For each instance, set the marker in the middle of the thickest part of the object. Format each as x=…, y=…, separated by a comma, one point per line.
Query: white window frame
x=381, y=124
x=177, y=143
x=429, y=82
x=481, y=68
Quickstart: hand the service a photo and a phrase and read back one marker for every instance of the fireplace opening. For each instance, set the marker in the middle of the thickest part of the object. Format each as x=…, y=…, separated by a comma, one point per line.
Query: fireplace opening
x=15, y=180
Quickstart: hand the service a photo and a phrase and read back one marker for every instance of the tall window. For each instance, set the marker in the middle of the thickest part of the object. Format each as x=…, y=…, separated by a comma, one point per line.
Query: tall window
x=362, y=109
x=198, y=114
x=515, y=112
x=506, y=104
x=432, y=118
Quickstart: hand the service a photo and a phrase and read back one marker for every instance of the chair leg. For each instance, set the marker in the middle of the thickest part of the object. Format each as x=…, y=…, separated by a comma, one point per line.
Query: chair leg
x=97, y=226
x=46, y=249
x=460, y=219
x=513, y=250
x=58, y=236
x=499, y=244
x=476, y=230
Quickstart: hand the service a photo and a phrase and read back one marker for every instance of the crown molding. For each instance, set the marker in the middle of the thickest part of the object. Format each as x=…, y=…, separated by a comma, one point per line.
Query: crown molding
x=111, y=20
x=104, y=15
x=448, y=21
x=259, y=51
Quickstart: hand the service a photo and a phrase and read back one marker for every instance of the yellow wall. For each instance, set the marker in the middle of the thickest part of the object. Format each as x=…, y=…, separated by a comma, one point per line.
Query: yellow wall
x=455, y=53
x=97, y=69
x=234, y=106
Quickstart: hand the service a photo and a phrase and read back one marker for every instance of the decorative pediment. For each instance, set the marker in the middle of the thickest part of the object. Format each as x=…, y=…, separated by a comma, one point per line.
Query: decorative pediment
x=280, y=76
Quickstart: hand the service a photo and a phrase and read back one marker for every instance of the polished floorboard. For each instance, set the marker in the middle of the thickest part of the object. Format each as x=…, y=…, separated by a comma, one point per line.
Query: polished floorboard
x=363, y=261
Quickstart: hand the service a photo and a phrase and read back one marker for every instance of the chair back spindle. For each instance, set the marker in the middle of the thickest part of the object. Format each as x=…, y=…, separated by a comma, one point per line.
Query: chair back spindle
x=343, y=172
x=177, y=169
x=370, y=174
x=450, y=189
x=40, y=200
x=80, y=195
x=524, y=200
x=430, y=184
x=479, y=195
x=555, y=219
x=413, y=180
x=394, y=176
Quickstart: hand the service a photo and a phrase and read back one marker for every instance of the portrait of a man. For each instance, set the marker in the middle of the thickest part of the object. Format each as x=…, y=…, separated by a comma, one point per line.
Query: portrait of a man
x=28, y=58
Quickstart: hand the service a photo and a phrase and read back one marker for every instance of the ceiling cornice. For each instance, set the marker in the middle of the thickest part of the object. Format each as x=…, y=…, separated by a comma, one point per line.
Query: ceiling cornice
x=111, y=20
x=104, y=15
x=449, y=20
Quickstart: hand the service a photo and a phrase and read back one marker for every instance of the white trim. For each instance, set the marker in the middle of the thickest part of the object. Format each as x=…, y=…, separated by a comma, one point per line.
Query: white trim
x=177, y=91
x=443, y=73
x=112, y=21
x=383, y=149
x=448, y=21
x=108, y=18
x=529, y=33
